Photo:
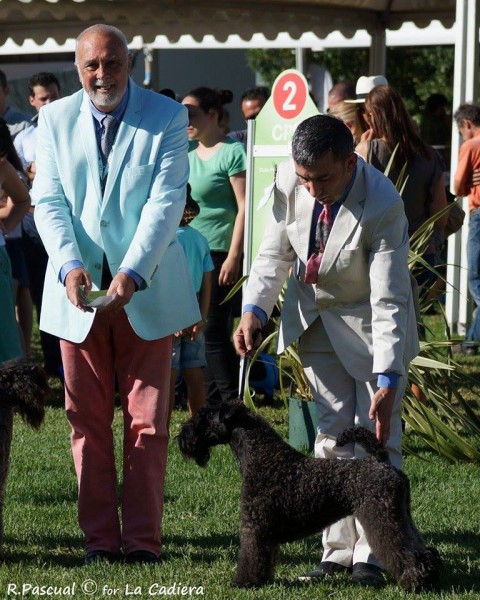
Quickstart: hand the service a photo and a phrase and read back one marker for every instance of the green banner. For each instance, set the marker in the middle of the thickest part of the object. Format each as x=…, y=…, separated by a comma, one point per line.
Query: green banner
x=269, y=143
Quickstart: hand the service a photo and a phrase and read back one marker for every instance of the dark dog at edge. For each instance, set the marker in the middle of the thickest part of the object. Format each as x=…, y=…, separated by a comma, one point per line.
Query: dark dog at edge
x=23, y=389
x=287, y=495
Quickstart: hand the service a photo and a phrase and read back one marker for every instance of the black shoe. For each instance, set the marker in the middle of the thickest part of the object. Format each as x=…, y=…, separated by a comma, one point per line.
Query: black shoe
x=324, y=570
x=142, y=556
x=101, y=555
x=368, y=575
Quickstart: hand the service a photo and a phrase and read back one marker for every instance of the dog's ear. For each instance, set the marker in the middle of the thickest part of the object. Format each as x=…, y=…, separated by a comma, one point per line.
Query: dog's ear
x=229, y=410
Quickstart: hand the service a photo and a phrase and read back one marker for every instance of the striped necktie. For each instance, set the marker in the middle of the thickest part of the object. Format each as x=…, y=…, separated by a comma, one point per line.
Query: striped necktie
x=324, y=225
x=110, y=126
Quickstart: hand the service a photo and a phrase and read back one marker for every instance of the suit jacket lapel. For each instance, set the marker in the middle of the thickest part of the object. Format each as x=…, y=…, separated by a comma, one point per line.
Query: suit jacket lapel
x=346, y=221
x=89, y=140
x=125, y=133
x=304, y=204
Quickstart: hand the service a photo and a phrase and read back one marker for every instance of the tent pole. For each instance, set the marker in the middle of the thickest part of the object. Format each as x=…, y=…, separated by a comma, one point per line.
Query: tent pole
x=378, y=51
x=300, y=60
x=465, y=89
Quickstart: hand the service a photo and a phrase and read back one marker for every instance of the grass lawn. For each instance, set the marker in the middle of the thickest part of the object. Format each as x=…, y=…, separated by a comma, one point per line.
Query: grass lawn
x=43, y=544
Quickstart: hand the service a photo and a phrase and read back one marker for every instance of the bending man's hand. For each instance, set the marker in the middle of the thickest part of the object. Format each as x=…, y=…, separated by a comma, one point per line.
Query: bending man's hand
x=78, y=285
x=381, y=409
x=122, y=289
x=246, y=338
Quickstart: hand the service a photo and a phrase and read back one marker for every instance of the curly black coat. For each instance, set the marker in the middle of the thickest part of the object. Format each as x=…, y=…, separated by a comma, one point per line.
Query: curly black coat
x=23, y=389
x=287, y=495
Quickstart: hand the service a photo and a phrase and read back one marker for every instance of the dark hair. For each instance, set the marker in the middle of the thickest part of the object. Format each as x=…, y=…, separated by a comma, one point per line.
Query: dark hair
x=435, y=101
x=470, y=112
x=7, y=148
x=259, y=92
x=3, y=80
x=169, y=93
x=320, y=134
x=191, y=210
x=390, y=120
x=211, y=99
x=343, y=90
x=44, y=79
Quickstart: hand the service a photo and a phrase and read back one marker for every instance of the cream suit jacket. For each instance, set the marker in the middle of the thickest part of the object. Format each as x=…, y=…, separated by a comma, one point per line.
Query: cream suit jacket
x=363, y=293
x=134, y=222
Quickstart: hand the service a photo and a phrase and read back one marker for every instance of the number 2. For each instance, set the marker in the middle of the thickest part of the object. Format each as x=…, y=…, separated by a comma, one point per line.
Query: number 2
x=288, y=105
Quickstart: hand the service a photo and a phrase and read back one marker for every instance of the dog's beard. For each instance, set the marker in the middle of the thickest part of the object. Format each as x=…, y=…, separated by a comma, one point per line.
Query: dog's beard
x=191, y=446
x=199, y=452
x=202, y=456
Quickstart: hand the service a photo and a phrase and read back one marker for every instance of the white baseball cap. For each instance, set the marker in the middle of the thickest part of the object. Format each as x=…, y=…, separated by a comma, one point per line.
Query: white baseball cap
x=365, y=85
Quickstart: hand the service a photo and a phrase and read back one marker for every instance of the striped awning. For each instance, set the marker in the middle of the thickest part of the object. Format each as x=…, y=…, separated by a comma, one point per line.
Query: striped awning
x=63, y=19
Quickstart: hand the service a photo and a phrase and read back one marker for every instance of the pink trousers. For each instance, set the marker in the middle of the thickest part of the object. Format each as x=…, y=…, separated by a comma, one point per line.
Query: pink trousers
x=142, y=369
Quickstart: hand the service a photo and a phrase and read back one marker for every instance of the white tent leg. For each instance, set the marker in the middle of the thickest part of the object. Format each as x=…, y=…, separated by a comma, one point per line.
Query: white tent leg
x=465, y=86
x=300, y=60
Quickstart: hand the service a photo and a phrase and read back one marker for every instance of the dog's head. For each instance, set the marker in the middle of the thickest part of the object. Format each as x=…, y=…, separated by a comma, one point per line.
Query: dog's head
x=24, y=386
x=430, y=567
x=210, y=427
x=425, y=574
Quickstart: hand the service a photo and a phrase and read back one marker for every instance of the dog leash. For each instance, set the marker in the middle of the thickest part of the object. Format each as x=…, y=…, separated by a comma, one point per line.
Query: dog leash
x=244, y=365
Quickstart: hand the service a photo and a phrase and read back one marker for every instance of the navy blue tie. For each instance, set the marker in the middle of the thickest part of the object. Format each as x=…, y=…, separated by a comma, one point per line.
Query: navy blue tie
x=110, y=126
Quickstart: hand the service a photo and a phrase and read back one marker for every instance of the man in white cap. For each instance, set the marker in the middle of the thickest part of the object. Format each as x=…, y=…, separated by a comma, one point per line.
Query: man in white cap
x=365, y=84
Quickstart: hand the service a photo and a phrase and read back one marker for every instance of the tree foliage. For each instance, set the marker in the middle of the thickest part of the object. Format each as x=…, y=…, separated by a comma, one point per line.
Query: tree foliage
x=270, y=63
x=416, y=71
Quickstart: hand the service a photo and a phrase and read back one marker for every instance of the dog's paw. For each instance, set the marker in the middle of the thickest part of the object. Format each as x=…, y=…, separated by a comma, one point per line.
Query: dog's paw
x=246, y=584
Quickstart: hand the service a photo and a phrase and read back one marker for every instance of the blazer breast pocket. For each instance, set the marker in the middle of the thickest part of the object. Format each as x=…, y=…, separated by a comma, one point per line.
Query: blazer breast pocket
x=352, y=264
x=135, y=185
x=139, y=171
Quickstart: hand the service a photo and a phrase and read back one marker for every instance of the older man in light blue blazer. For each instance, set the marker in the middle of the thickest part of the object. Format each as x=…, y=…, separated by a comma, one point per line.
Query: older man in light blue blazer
x=355, y=318
x=107, y=216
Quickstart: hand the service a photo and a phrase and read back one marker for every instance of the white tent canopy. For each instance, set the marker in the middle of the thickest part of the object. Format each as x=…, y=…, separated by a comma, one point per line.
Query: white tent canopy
x=407, y=35
x=63, y=19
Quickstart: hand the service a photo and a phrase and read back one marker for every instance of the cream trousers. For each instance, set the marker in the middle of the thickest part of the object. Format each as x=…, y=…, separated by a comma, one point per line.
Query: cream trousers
x=341, y=403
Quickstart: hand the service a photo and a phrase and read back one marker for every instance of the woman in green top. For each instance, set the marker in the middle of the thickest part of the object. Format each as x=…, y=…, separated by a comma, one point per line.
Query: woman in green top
x=217, y=178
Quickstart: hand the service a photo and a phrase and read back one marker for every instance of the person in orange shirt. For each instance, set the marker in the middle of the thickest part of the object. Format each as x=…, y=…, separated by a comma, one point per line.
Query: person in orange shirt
x=467, y=119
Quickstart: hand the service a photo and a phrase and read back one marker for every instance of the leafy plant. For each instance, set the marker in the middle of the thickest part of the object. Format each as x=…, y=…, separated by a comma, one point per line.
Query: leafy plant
x=442, y=418
x=417, y=72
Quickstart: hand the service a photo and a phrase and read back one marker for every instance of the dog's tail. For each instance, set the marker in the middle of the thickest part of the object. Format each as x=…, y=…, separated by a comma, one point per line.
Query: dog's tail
x=367, y=439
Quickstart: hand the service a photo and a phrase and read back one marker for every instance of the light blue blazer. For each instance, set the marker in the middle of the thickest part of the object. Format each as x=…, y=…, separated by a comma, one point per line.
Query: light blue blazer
x=133, y=222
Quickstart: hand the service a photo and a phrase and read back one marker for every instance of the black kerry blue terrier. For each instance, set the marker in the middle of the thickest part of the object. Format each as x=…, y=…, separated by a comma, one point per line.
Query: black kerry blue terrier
x=287, y=495
x=23, y=389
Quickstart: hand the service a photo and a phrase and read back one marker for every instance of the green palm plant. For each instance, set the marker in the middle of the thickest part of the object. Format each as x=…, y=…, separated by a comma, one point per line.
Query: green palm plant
x=444, y=420
x=442, y=417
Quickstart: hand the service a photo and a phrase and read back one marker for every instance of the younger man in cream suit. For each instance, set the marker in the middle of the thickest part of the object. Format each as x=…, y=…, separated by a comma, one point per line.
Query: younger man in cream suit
x=108, y=216
x=356, y=324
